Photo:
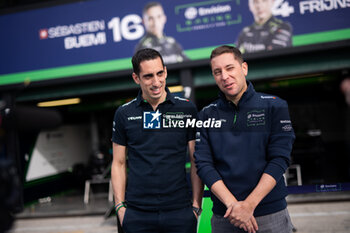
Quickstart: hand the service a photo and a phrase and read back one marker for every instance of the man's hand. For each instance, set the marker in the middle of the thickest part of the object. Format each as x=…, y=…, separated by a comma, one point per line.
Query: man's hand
x=240, y=214
x=240, y=211
x=250, y=227
x=195, y=214
x=121, y=214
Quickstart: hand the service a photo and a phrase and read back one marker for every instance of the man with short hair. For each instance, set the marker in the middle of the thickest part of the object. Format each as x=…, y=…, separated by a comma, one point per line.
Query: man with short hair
x=243, y=162
x=154, y=19
x=267, y=32
x=153, y=196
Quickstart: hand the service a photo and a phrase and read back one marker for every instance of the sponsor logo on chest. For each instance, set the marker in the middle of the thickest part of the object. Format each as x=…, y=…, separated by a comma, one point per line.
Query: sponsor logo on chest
x=256, y=117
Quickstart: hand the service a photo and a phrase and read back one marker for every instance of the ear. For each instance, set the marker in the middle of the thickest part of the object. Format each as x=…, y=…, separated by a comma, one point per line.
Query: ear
x=136, y=79
x=165, y=18
x=245, y=68
x=165, y=72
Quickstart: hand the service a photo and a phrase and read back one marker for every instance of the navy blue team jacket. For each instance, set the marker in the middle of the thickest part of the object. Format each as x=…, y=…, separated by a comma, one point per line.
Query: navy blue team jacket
x=255, y=137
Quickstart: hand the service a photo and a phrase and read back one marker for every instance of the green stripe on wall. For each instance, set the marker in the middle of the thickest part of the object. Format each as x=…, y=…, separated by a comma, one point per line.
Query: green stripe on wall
x=66, y=71
x=321, y=37
x=202, y=53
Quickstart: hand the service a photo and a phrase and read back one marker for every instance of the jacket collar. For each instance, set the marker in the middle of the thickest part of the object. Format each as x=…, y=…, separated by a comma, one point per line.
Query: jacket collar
x=246, y=95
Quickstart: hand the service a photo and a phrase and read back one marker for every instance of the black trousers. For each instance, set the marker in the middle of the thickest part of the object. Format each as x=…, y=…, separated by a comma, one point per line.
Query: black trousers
x=165, y=221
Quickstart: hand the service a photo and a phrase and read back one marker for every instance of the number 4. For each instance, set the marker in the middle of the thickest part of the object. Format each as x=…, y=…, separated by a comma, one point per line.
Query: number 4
x=282, y=8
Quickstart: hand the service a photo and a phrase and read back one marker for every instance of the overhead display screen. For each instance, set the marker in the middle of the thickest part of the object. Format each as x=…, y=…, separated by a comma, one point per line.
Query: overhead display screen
x=98, y=36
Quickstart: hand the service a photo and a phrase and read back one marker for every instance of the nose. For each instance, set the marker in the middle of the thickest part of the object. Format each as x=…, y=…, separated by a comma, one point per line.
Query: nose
x=156, y=82
x=151, y=22
x=224, y=75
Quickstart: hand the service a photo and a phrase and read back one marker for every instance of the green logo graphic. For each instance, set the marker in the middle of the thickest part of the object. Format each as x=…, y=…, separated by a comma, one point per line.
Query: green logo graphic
x=256, y=118
x=208, y=14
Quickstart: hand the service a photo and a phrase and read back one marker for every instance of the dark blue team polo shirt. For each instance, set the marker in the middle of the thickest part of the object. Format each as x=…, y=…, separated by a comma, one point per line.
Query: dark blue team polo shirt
x=156, y=152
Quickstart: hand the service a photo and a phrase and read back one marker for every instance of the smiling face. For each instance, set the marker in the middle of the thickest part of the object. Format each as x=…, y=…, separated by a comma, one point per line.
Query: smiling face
x=154, y=20
x=152, y=80
x=229, y=75
x=261, y=10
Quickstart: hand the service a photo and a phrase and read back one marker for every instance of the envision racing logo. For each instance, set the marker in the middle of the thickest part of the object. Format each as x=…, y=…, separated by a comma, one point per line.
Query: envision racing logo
x=256, y=117
x=192, y=12
x=152, y=120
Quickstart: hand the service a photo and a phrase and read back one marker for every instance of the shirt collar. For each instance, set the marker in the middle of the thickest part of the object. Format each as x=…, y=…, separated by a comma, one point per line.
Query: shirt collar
x=169, y=97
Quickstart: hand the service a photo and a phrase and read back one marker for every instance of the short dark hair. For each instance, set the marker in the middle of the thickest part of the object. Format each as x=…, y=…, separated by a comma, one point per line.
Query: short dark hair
x=150, y=5
x=227, y=49
x=144, y=55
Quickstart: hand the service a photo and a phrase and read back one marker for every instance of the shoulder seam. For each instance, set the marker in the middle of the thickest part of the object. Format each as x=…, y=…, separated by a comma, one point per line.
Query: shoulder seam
x=209, y=106
x=126, y=104
x=179, y=98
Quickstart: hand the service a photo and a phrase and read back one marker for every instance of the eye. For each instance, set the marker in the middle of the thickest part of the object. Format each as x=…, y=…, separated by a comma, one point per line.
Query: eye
x=160, y=73
x=148, y=76
x=230, y=68
x=217, y=72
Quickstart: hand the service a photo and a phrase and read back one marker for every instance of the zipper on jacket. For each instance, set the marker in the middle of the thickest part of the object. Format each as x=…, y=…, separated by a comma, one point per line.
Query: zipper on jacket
x=235, y=118
x=235, y=109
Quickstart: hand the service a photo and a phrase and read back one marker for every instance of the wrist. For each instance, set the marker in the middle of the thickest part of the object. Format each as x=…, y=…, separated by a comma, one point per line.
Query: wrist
x=230, y=203
x=251, y=203
x=196, y=204
x=197, y=210
x=120, y=205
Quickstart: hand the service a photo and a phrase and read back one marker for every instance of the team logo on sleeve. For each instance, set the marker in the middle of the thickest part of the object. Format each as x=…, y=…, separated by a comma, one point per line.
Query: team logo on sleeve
x=286, y=125
x=151, y=120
